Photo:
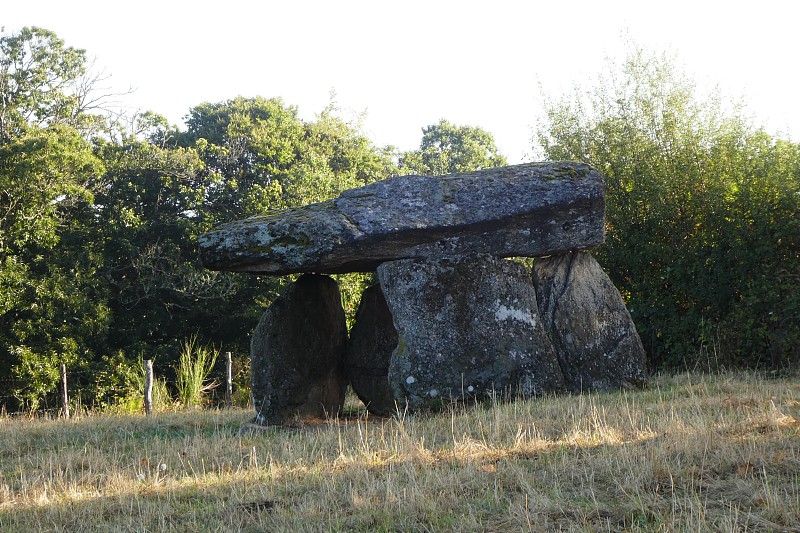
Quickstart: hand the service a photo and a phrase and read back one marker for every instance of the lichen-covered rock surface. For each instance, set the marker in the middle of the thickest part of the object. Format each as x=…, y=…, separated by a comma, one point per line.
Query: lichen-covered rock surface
x=592, y=331
x=369, y=350
x=297, y=353
x=525, y=210
x=466, y=328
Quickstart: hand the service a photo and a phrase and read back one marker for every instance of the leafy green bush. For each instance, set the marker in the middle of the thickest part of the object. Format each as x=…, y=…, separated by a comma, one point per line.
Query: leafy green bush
x=703, y=237
x=120, y=386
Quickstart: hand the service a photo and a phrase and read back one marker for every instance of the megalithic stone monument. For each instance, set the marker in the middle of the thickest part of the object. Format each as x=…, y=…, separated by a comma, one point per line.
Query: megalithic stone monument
x=471, y=313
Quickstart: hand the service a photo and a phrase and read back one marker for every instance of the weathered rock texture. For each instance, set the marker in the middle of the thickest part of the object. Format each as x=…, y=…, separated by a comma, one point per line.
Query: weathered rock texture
x=467, y=327
x=369, y=350
x=297, y=353
x=526, y=210
x=594, y=336
x=457, y=321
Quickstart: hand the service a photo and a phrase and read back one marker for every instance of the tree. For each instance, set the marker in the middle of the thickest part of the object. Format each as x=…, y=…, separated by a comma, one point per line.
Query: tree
x=692, y=190
x=51, y=302
x=147, y=226
x=446, y=148
x=43, y=83
x=265, y=157
x=48, y=310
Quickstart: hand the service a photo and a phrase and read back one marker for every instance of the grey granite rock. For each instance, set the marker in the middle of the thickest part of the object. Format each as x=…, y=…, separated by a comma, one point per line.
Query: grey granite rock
x=594, y=336
x=524, y=210
x=466, y=328
x=369, y=350
x=297, y=353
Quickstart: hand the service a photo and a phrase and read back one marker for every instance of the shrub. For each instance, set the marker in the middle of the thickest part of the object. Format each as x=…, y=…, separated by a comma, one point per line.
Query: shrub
x=703, y=236
x=120, y=386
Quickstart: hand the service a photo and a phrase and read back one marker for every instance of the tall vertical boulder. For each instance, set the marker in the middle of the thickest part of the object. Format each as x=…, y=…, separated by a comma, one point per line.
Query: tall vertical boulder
x=373, y=338
x=592, y=331
x=467, y=327
x=297, y=353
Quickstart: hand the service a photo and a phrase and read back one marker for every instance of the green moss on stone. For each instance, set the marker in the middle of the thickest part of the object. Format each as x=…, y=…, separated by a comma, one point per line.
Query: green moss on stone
x=299, y=240
x=400, y=351
x=568, y=171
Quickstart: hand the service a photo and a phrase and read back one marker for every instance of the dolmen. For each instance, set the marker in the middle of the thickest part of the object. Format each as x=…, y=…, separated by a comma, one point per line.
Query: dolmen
x=452, y=318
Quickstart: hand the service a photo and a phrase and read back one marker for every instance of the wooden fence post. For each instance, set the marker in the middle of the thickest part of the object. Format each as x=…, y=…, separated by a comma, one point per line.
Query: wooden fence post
x=148, y=387
x=64, y=397
x=228, y=380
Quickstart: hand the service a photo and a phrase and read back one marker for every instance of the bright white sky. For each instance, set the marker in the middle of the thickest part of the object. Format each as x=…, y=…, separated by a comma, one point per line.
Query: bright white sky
x=407, y=64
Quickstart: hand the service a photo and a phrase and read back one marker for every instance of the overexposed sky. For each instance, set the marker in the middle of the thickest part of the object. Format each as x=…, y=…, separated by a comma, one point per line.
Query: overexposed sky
x=408, y=64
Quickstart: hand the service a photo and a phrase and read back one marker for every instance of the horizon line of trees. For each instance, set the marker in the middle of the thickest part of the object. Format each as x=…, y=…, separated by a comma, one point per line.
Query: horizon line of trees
x=99, y=215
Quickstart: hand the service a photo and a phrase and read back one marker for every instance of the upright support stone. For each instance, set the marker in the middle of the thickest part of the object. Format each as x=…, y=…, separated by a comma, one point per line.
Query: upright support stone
x=592, y=331
x=373, y=338
x=297, y=353
x=466, y=328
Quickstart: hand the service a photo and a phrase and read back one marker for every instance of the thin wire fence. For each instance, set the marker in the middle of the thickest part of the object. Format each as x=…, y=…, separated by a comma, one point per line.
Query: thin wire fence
x=69, y=403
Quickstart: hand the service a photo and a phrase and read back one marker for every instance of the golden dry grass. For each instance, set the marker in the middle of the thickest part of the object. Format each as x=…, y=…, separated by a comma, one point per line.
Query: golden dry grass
x=690, y=453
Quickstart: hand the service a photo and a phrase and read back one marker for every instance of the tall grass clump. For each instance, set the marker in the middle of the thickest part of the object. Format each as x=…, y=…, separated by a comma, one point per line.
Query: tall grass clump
x=195, y=364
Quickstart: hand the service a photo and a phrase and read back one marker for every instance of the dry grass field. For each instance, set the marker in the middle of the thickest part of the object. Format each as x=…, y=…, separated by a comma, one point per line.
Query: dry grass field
x=690, y=453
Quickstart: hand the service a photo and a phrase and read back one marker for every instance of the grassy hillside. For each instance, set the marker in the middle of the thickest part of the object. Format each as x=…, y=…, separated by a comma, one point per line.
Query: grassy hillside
x=691, y=453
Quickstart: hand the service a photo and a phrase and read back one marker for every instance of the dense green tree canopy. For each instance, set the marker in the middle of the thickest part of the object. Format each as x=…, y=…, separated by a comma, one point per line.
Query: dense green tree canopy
x=446, y=148
x=264, y=157
x=51, y=306
x=42, y=83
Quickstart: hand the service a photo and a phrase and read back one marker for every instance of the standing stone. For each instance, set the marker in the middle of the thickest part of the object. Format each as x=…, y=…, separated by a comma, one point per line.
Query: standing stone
x=466, y=328
x=297, y=353
x=592, y=331
x=372, y=340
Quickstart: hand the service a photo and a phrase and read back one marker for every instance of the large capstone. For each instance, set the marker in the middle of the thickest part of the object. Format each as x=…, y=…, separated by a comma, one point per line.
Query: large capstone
x=526, y=210
x=466, y=328
x=592, y=331
x=369, y=350
x=297, y=353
